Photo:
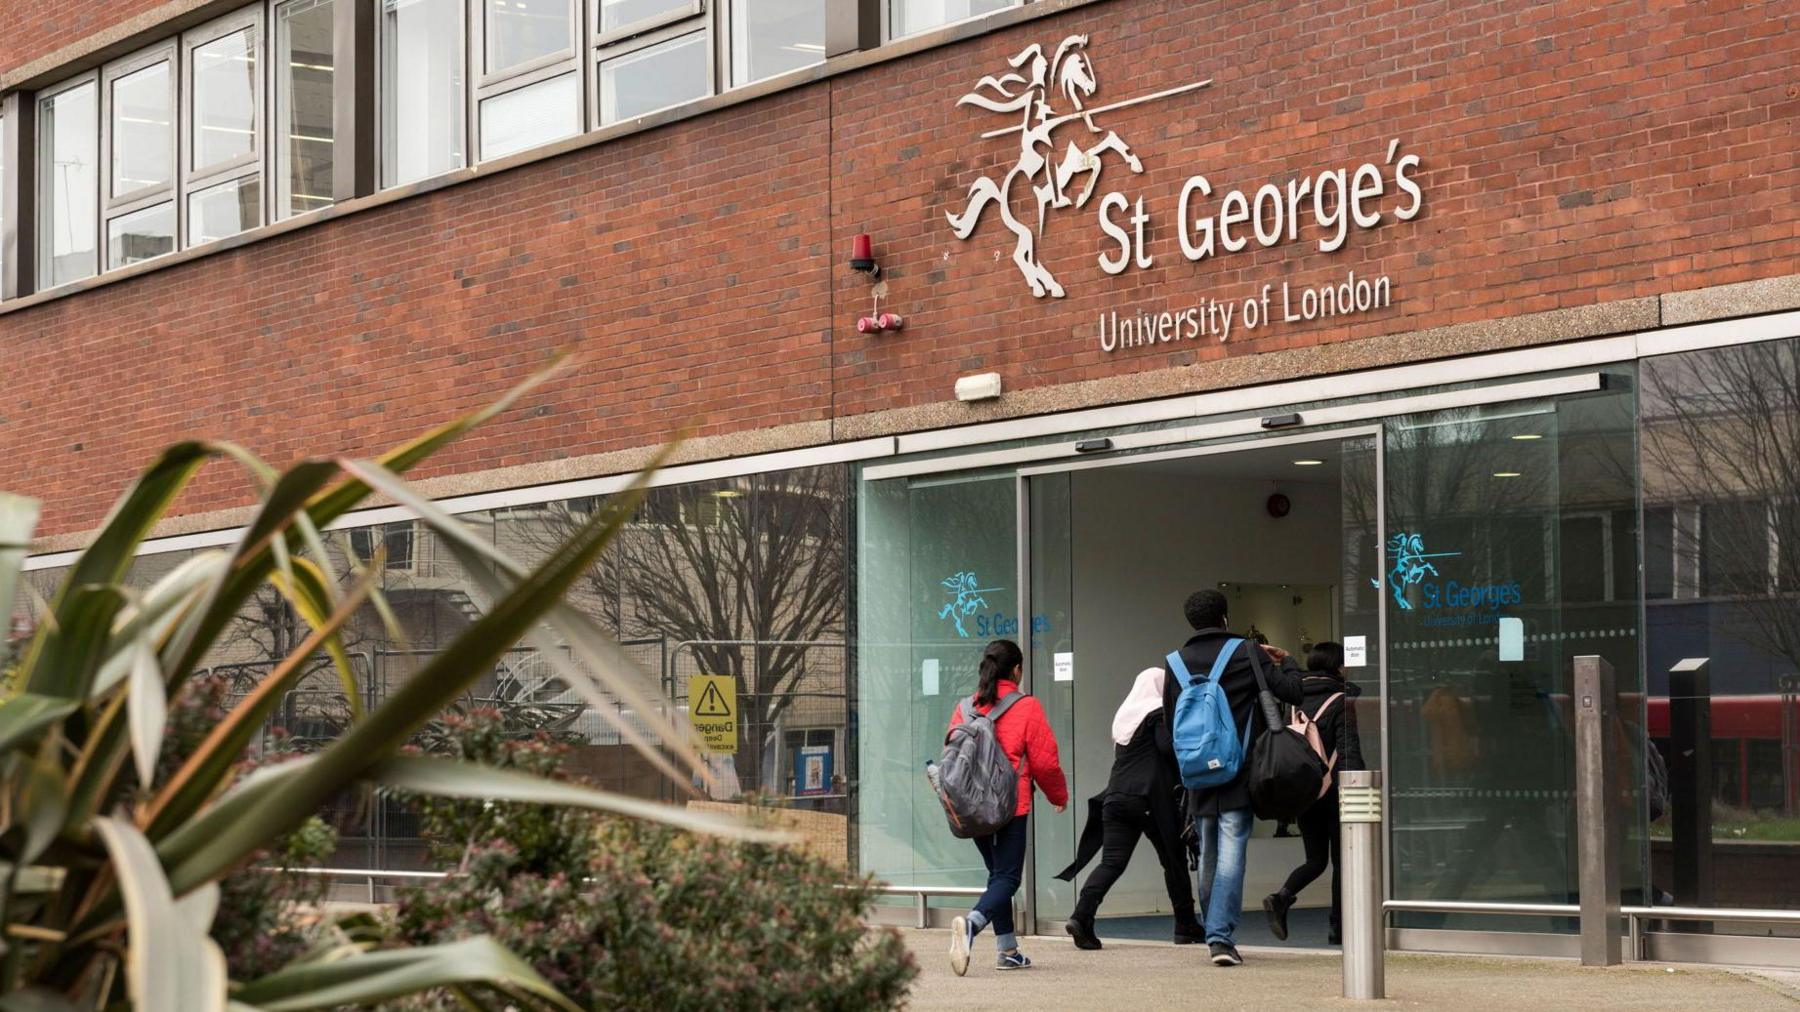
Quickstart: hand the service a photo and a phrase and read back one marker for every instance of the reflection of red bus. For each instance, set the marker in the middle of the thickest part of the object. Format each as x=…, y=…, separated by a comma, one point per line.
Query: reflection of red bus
x=1749, y=739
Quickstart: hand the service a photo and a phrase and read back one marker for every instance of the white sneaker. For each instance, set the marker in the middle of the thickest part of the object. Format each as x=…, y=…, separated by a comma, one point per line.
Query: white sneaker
x=959, y=945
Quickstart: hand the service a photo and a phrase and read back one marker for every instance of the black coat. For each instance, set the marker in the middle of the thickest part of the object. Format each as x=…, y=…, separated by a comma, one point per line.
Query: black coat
x=1144, y=766
x=1337, y=726
x=1239, y=683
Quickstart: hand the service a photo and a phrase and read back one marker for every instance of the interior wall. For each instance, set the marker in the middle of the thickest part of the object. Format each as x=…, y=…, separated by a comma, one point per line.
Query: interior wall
x=1142, y=540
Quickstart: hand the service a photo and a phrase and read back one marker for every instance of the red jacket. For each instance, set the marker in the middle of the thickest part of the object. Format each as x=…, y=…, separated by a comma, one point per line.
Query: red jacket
x=1024, y=732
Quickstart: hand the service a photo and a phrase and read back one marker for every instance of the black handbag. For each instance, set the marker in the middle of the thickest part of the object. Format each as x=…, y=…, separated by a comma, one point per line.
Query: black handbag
x=1286, y=775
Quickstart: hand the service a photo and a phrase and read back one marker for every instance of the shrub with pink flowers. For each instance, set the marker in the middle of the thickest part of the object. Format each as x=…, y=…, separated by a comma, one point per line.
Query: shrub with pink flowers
x=623, y=914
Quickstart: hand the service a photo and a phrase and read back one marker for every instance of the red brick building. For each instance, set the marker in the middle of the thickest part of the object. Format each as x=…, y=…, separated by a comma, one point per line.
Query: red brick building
x=1389, y=238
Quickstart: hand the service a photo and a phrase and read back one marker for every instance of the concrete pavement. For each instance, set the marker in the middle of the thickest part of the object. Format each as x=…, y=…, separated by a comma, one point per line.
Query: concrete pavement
x=1146, y=977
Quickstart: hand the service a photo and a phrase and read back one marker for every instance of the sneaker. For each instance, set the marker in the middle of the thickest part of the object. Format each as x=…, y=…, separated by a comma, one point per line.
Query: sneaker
x=1014, y=960
x=1226, y=954
x=959, y=945
x=1189, y=934
x=1276, y=905
x=1082, y=930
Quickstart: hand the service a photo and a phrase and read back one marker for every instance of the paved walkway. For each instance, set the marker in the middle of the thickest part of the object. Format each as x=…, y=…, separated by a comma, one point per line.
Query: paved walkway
x=1147, y=977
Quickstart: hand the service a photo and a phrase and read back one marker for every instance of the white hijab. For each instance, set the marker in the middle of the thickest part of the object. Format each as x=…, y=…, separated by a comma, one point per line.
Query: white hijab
x=1145, y=698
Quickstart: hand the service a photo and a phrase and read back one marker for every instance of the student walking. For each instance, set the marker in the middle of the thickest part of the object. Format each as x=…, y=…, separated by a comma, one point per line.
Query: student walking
x=1221, y=815
x=1330, y=701
x=1142, y=798
x=1023, y=732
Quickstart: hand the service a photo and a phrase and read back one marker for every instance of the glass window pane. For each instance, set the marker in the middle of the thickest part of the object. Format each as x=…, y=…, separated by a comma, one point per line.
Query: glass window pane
x=304, y=111
x=224, y=210
x=615, y=14
x=224, y=99
x=770, y=37
x=909, y=17
x=140, y=235
x=422, y=89
x=519, y=31
x=143, y=130
x=70, y=183
x=656, y=77
x=536, y=114
x=2, y=207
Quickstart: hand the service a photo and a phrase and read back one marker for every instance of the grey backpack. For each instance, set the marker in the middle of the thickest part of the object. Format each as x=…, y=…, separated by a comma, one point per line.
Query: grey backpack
x=973, y=778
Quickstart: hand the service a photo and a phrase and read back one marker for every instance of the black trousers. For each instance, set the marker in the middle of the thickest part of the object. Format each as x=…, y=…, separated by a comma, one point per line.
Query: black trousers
x=1319, y=833
x=1124, y=818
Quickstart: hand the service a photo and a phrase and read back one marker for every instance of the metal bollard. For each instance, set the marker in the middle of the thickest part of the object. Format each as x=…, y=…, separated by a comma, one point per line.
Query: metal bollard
x=1364, y=928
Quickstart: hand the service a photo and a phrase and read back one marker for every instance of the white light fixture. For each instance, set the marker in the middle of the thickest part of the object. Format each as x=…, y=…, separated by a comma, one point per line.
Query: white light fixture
x=984, y=387
x=1506, y=474
x=1307, y=462
x=1528, y=435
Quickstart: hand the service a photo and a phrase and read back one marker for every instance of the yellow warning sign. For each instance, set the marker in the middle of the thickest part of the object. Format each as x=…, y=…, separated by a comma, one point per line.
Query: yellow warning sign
x=712, y=710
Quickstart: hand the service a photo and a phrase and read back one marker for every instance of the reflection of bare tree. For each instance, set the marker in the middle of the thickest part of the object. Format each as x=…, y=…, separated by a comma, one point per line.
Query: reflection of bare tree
x=748, y=571
x=1721, y=446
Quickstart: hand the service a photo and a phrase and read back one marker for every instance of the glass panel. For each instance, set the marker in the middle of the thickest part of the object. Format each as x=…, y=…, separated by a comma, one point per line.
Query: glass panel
x=143, y=130
x=3, y=243
x=615, y=14
x=1720, y=450
x=304, y=59
x=224, y=76
x=1079, y=700
x=532, y=115
x=909, y=17
x=770, y=37
x=422, y=92
x=70, y=184
x=519, y=31
x=1487, y=510
x=140, y=235
x=937, y=561
x=668, y=73
x=224, y=210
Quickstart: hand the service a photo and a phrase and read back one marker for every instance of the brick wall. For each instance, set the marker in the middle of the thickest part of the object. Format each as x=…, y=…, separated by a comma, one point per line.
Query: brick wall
x=35, y=29
x=1571, y=154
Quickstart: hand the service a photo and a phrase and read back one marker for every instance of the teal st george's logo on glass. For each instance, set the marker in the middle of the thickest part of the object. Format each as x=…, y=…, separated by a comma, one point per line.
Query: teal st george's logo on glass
x=968, y=611
x=1414, y=577
x=1411, y=565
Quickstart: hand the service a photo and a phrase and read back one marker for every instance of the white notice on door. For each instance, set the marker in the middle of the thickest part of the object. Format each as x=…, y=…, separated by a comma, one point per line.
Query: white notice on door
x=1356, y=651
x=1065, y=667
x=929, y=677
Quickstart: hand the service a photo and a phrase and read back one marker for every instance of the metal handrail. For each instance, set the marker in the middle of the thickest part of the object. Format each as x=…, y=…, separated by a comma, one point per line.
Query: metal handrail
x=1472, y=907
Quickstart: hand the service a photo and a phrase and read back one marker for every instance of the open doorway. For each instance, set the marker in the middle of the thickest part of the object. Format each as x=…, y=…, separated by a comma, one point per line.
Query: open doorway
x=1285, y=528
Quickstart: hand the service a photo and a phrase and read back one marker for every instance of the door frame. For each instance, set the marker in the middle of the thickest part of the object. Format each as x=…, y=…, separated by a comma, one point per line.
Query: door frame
x=1028, y=905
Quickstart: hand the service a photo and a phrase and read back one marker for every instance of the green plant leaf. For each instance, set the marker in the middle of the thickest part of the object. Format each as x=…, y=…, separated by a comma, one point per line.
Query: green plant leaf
x=442, y=678
x=63, y=660
x=373, y=977
x=18, y=518
x=167, y=969
x=267, y=781
x=450, y=778
x=156, y=613
x=44, y=801
x=28, y=713
x=147, y=710
x=108, y=557
x=589, y=642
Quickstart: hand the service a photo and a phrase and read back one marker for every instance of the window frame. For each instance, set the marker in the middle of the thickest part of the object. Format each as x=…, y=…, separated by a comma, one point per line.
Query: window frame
x=598, y=39
x=44, y=151
x=484, y=86
x=890, y=34
x=727, y=50
x=143, y=198
x=279, y=166
x=667, y=31
x=384, y=169
x=197, y=179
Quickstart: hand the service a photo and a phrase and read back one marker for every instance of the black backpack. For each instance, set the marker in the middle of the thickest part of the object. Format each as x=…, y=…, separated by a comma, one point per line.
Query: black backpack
x=974, y=779
x=1286, y=774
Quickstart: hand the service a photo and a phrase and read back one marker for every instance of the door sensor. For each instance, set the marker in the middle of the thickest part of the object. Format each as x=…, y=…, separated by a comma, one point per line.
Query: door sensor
x=1281, y=421
x=1093, y=445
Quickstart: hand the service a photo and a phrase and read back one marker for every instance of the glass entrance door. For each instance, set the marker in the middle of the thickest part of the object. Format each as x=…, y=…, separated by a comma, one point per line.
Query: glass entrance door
x=1289, y=528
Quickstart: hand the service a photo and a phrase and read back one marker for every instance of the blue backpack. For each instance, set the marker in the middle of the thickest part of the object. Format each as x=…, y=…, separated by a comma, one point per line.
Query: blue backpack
x=1207, y=746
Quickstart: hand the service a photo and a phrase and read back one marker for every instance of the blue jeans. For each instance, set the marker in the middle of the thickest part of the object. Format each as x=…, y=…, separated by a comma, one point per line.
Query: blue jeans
x=1004, y=855
x=1224, y=842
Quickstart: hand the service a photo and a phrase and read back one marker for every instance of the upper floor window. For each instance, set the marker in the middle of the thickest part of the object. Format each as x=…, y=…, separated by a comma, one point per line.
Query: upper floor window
x=305, y=65
x=529, y=92
x=423, y=89
x=770, y=37
x=69, y=181
x=650, y=55
x=223, y=115
x=910, y=17
x=139, y=138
